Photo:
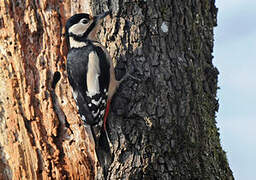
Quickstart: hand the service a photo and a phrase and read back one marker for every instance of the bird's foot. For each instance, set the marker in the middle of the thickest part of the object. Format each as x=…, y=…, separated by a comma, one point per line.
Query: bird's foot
x=127, y=75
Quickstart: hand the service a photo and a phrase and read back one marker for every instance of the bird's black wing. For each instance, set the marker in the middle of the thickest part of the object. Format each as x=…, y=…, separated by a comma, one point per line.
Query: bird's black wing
x=91, y=108
x=77, y=60
x=104, y=79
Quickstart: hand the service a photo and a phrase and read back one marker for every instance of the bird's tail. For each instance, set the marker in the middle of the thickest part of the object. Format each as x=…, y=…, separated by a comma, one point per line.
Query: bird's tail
x=102, y=147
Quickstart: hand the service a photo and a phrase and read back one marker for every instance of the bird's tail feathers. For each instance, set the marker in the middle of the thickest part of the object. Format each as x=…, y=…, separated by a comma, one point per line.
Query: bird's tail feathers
x=102, y=147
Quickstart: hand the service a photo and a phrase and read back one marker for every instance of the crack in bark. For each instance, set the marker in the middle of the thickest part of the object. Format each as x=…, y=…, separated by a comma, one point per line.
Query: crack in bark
x=63, y=124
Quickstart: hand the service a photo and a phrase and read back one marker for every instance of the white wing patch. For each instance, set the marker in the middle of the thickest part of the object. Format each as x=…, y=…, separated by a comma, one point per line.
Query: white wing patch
x=96, y=102
x=74, y=94
x=102, y=112
x=83, y=118
x=93, y=73
x=95, y=114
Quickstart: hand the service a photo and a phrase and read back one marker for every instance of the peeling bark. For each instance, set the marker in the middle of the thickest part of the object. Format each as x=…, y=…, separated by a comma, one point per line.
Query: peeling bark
x=162, y=127
x=35, y=142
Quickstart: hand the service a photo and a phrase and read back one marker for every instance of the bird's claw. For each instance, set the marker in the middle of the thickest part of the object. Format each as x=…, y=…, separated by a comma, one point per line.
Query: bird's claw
x=128, y=74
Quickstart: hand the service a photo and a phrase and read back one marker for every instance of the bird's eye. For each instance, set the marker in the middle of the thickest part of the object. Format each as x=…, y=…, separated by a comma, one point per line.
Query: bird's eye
x=84, y=21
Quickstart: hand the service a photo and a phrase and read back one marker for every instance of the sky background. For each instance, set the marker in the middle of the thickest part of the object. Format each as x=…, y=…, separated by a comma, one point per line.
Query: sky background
x=234, y=56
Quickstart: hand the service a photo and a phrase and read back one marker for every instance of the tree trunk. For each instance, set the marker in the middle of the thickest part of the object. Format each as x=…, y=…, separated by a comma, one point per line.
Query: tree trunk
x=161, y=126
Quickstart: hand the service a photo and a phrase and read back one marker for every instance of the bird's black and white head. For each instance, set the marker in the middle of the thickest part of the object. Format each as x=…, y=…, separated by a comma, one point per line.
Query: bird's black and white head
x=81, y=28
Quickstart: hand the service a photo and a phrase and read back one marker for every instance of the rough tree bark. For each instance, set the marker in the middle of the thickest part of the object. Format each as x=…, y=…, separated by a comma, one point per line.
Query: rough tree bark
x=162, y=127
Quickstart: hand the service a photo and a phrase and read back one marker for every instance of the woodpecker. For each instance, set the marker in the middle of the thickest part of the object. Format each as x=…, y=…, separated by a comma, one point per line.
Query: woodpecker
x=91, y=76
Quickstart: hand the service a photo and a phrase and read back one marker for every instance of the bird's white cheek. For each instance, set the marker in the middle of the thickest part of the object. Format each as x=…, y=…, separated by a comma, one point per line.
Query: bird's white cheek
x=78, y=29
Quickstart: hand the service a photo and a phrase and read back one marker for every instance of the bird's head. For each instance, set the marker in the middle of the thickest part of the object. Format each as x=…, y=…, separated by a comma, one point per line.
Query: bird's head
x=81, y=27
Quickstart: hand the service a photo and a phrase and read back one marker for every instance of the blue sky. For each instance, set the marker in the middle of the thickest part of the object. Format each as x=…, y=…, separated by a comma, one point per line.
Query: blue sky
x=234, y=56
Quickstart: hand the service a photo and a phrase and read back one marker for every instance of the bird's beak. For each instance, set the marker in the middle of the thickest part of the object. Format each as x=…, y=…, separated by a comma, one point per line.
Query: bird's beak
x=101, y=16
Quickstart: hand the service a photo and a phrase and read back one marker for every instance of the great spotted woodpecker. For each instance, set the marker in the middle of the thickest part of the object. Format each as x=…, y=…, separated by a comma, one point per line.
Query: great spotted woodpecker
x=92, y=77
